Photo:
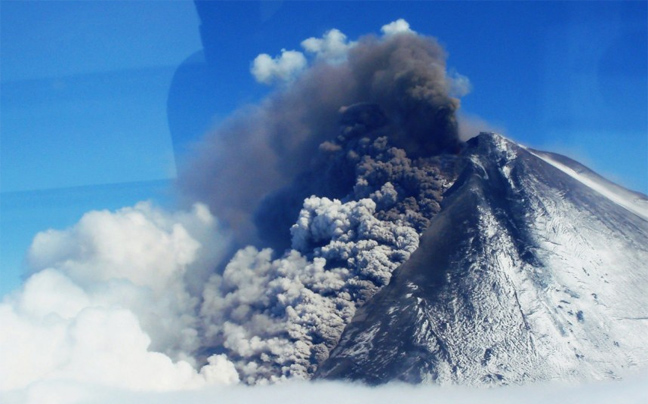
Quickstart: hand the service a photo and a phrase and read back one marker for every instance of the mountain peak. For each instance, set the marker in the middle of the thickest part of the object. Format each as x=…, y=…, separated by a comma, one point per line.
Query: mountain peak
x=527, y=273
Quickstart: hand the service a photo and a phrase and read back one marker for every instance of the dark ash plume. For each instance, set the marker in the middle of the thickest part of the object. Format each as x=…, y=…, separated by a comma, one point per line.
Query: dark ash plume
x=264, y=148
x=279, y=318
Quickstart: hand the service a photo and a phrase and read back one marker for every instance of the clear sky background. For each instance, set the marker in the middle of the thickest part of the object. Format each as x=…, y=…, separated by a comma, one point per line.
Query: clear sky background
x=92, y=117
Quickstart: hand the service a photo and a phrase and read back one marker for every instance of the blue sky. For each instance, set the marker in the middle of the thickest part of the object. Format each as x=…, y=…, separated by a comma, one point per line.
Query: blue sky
x=88, y=94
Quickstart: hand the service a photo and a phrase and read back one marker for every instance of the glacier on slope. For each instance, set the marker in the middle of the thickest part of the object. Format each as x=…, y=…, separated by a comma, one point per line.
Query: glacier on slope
x=534, y=269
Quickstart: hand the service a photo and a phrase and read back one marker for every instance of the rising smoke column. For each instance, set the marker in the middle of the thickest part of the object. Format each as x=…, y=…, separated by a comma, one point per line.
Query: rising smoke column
x=339, y=171
x=265, y=147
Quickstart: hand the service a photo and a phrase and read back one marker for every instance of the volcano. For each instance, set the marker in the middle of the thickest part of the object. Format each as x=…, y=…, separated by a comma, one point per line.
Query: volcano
x=535, y=268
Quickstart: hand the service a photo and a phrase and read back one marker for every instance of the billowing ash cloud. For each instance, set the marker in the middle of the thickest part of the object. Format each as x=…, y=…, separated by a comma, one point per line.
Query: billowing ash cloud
x=265, y=147
x=280, y=318
x=339, y=173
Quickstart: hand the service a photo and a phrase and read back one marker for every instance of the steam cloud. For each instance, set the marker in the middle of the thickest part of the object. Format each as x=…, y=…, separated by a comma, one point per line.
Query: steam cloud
x=332, y=47
x=265, y=147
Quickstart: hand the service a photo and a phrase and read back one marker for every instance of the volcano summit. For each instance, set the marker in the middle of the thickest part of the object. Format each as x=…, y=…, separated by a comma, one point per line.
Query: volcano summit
x=534, y=269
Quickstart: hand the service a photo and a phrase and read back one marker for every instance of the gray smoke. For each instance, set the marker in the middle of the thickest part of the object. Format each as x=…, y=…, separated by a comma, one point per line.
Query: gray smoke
x=339, y=172
x=280, y=144
x=279, y=318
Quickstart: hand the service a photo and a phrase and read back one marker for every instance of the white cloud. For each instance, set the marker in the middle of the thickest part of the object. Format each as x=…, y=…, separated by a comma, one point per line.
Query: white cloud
x=137, y=257
x=142, y=244
x=99, y=344
x=107, y=303
x=631, y=391
x=332, y=47
x=399, y=26
x=284, y=67
x=459, y=84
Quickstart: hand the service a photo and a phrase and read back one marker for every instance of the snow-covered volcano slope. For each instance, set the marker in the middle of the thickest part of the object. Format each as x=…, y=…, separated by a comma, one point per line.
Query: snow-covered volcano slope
x=534, y=269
